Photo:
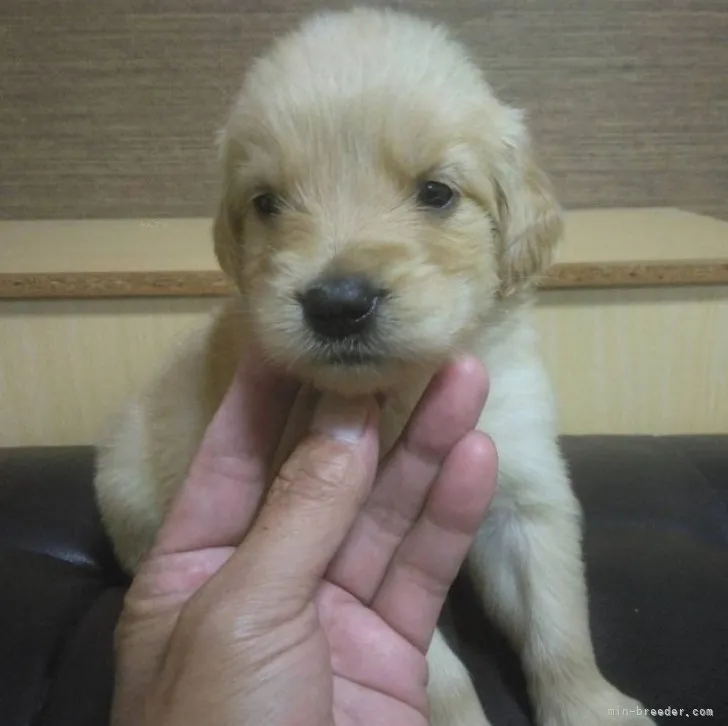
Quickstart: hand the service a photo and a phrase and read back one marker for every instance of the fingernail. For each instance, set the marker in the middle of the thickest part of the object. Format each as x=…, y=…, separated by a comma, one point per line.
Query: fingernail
x=344, y=419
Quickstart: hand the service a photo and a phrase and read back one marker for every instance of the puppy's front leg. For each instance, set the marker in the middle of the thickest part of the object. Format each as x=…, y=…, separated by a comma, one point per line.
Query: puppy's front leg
x=452, y=696
x=528, y=566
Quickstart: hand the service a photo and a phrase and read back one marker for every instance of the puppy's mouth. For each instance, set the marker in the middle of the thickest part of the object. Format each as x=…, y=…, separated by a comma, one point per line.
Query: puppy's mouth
x=349, y=354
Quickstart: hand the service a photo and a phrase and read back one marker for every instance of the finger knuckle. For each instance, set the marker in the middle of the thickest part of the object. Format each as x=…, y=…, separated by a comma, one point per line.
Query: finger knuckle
x=314, y=473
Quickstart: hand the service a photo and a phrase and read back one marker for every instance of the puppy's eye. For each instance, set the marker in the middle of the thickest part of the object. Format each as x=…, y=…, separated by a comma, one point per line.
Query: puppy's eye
x=267, y=204
x=435, y=195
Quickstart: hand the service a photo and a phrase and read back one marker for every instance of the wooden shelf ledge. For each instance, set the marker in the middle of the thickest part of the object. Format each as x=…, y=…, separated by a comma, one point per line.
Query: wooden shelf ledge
x=86, y=259
x=136, y=284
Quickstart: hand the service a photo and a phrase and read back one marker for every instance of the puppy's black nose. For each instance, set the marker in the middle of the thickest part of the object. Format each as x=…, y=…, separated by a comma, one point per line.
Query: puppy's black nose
x=337, y=307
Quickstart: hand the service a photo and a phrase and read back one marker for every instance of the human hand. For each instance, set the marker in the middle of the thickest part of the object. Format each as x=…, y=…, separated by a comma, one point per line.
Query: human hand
x=318, y=609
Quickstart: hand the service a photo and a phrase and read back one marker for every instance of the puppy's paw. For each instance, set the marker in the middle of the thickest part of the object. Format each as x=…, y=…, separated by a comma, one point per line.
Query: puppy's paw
x=460, y=713
x=458, y=706
x=452, y=695
x=599, y=705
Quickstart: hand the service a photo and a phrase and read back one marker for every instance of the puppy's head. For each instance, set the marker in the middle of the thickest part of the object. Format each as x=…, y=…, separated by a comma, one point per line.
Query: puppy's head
x=378, y=201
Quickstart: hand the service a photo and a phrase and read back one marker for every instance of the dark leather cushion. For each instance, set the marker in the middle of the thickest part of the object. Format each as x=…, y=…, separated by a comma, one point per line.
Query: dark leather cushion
x=656, y=546
x=61, y=591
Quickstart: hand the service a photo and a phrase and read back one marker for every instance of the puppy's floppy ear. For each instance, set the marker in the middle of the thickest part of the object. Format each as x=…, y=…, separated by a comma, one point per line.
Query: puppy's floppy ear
x=225, y=234
x=226, y=228
x=529, y=217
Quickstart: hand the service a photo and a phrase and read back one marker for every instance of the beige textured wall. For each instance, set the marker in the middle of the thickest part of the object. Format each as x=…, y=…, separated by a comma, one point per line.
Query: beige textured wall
x=110, y=108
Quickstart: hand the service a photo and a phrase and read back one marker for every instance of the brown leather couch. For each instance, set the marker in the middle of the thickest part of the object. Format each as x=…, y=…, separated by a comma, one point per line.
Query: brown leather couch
x=656, y=545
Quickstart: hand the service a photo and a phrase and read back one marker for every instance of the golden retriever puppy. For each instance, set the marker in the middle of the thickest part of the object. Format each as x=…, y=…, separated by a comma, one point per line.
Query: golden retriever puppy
x=380, y=211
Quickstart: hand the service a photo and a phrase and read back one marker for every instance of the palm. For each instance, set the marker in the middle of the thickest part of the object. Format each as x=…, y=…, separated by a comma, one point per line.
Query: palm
x=378, y=676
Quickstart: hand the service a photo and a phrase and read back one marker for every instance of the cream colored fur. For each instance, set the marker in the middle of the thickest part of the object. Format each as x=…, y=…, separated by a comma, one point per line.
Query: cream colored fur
x=342, y=119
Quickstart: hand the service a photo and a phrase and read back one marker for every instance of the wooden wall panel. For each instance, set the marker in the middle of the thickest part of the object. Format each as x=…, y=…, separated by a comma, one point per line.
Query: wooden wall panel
x=109, y=108
x=622, y=361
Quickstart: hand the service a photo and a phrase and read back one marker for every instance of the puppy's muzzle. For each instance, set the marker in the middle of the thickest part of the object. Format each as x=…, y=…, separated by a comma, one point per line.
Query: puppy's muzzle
x=340, y=308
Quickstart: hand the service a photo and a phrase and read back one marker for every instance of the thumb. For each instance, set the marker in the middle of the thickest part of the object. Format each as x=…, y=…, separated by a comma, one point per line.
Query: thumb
x=310, y=506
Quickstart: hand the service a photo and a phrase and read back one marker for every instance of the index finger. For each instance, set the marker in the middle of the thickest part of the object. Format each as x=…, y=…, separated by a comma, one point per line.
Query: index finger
x=309, y=507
